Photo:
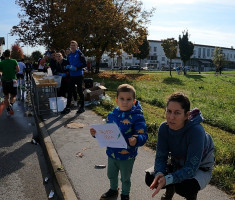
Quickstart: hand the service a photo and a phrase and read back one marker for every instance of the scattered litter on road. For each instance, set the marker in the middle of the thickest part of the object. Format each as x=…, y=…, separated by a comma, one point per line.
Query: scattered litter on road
x=79, y=154
x=75, y=125
x=61, y=168
x=100, y=166
x=28, y=114
x=84, y=148
x=46, y=180
x=51, y=195
x=33, y=141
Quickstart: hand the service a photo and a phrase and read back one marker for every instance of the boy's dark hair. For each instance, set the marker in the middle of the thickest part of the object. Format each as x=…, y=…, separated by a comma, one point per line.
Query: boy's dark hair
x=182, y=99
x=7, y=53
x=126, y=88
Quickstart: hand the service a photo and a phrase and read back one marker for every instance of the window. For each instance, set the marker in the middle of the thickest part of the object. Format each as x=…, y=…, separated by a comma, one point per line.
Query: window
x=204, y=52
x=163, y=58
x=199, y=52
x=153, y=57
x=212, y=51
x=155, y=49
x=208, y=52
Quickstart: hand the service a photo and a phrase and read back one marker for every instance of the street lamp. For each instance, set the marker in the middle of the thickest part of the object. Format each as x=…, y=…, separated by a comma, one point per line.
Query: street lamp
x=7, y=39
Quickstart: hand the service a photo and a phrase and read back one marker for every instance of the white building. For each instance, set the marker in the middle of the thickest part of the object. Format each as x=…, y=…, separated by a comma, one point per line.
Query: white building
x=2, y=42
x=201, y=58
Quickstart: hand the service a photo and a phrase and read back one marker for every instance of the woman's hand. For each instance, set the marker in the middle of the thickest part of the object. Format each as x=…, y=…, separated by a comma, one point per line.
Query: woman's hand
x=93, y=132
x=159, y=182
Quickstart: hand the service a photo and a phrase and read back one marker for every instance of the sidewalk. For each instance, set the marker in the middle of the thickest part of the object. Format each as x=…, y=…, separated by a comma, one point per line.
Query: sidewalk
x=73, y=154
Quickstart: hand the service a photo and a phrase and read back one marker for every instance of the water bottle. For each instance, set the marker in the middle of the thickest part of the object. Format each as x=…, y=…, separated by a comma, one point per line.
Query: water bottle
x=49, y=72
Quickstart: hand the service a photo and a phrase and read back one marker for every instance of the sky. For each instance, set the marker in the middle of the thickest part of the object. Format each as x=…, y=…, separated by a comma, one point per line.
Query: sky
x=208, y=22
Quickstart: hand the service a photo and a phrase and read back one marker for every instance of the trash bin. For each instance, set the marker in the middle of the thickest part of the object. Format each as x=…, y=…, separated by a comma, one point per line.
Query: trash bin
x=88, y=82
x=58, y=80
x=61, y=103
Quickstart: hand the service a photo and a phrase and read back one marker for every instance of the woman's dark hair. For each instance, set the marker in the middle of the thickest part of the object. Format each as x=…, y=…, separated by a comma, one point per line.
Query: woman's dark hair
x=182, y=99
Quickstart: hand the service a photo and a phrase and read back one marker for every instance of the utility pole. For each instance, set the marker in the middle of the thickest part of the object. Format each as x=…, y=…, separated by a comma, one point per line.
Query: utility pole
x=7, y=39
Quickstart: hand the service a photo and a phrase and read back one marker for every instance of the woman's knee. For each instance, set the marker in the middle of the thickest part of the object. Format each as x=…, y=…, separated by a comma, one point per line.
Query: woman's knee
x=188, y=188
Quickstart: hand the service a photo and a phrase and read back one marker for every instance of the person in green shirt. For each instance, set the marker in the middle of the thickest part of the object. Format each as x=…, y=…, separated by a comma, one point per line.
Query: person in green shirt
x=9, y=67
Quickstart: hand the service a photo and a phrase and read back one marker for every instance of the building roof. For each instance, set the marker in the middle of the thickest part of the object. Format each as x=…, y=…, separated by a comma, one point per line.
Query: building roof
x=202, y=45
x=2, y=41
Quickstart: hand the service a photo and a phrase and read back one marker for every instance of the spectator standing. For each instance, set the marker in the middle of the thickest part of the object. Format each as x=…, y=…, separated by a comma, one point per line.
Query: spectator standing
x=9, y=68
x=28, y=70
x=52, y=61
x=42, y=64
x=76, y=77
x=67, y=52
x=60, y=70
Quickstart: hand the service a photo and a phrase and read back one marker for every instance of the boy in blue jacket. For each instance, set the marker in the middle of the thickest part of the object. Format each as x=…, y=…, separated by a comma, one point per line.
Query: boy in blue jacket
x=128, y=116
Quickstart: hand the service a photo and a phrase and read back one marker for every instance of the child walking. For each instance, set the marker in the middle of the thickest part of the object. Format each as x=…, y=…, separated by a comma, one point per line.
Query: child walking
x=128, y=116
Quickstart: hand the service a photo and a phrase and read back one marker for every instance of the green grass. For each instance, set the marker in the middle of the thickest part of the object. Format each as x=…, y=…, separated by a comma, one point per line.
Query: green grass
x=214, y=95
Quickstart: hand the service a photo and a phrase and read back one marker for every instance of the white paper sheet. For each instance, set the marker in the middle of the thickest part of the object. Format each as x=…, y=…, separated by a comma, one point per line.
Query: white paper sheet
x=109, y=135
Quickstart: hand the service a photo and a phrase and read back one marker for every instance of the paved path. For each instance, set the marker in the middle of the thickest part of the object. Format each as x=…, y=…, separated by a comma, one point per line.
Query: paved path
x=87, y=182
x=22, y=164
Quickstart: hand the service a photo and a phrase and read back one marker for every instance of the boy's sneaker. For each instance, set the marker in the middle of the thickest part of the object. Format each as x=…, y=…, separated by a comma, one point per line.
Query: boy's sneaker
x=66, y=111
x=125, y=197
x=110, y=194
x=81, y=110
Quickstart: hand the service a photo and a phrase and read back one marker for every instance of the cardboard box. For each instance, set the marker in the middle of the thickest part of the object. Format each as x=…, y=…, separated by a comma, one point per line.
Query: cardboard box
x=94, y=93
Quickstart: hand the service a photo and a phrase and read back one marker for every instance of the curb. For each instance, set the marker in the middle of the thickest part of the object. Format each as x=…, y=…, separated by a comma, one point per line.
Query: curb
x=65, y=187
x=62, y=185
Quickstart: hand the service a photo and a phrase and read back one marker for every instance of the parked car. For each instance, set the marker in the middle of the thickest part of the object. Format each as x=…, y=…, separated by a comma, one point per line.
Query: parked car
x=144, y=68
x=134, y=67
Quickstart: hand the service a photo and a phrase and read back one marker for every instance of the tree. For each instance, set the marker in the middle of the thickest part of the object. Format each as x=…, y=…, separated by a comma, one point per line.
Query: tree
x=218, y=59
x=143, y=51
x=186, y=48
x=17, y=52
x=170, y=49
x=97, y=25
x=36, y=55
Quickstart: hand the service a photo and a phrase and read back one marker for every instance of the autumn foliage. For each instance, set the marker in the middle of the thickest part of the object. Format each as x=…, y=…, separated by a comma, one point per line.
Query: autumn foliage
x=16, y=52
x=97, y=25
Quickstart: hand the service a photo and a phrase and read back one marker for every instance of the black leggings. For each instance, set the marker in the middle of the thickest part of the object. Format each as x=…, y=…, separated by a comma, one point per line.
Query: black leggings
x=188, y=188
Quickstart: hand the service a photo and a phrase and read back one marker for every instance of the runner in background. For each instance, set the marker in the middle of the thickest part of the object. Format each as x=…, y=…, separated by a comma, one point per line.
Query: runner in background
x=20, y=79
x=9, y=68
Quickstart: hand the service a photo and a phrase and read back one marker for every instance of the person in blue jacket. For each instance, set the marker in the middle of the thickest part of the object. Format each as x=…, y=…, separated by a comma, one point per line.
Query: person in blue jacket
x=128, y=116
x=76, y=76
x=185, y=152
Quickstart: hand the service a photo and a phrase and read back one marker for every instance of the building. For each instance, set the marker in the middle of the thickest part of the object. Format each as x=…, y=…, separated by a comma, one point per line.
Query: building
x=2, y=42
x=200, y=60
